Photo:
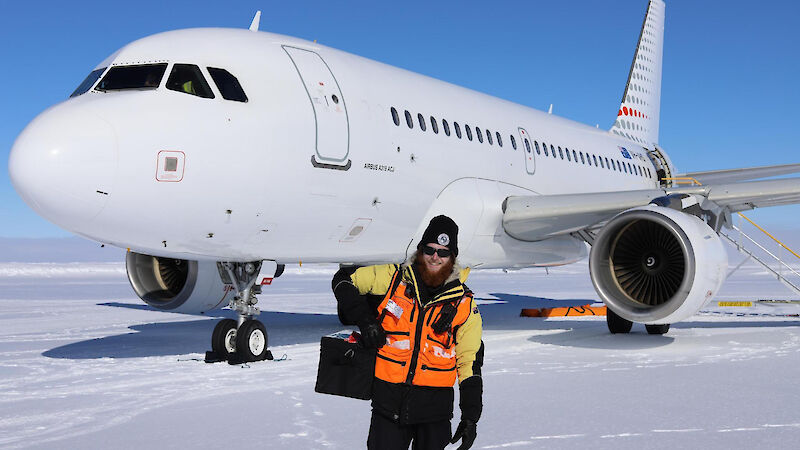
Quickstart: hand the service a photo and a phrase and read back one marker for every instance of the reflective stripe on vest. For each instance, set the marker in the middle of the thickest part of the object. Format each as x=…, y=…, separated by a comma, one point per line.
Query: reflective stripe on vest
x=414, y=353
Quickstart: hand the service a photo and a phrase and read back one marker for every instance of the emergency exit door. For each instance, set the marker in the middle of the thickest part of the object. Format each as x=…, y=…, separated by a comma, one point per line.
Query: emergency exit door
x=527, y=151
x=332, y=145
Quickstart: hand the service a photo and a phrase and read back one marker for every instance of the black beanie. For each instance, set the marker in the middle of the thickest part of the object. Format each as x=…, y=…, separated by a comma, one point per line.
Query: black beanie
x=443, y=231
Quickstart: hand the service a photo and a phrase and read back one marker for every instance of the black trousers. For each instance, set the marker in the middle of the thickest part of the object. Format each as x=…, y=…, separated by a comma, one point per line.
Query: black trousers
x=384, y=434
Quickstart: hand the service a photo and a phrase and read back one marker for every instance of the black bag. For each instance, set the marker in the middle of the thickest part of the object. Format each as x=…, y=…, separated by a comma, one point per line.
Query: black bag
x=345, y=368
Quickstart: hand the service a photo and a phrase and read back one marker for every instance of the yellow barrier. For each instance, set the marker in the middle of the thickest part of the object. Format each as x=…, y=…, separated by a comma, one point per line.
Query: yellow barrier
x=734, y=303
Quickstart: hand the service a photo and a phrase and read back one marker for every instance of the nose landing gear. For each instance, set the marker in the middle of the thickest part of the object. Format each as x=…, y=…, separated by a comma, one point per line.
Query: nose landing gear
x=244, y=340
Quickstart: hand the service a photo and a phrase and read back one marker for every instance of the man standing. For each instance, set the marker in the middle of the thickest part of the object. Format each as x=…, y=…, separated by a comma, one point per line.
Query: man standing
x=427, y=329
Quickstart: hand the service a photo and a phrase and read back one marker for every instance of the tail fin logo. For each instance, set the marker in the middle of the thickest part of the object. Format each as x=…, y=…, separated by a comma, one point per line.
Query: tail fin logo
x=638, y=113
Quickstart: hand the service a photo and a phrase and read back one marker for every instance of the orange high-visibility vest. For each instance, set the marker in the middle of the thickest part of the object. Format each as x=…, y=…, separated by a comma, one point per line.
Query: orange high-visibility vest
x=414, y=353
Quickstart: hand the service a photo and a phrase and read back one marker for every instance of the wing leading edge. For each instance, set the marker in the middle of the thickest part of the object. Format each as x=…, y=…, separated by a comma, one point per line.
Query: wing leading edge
x=538, y=217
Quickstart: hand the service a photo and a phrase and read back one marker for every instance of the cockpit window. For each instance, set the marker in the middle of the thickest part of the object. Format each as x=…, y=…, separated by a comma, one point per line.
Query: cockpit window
x=88, y=82
x=188, y=79
x=228, y=85
x=145, y=76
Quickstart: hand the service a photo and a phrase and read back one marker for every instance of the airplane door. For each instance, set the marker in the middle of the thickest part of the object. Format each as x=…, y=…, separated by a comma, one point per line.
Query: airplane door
x=330, y=113
x=527, y=151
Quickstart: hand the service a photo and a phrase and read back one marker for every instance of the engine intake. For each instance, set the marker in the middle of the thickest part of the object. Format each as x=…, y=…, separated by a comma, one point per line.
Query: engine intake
x=175, y=284
x=656, y=265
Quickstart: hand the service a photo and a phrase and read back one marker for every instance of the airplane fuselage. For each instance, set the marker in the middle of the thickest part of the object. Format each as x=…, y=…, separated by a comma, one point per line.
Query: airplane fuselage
x=314, y=167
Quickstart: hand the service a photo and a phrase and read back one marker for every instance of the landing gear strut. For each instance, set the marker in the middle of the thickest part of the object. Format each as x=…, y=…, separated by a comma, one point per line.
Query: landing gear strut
x=245, y=339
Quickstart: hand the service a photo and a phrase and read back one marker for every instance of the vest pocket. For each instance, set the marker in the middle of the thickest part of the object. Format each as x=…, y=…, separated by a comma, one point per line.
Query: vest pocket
x=446, y=340
x=402, y=363
x=437, y=369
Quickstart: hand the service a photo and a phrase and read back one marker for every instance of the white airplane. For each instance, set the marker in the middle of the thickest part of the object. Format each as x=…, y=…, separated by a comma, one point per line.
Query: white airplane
x=216, y=156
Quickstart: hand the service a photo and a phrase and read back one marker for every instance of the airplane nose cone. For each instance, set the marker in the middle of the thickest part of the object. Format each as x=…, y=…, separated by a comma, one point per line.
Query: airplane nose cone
x=63, y=165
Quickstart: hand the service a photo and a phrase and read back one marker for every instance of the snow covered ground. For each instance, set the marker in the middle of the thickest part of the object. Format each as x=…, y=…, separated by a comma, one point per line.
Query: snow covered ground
x=85, y=364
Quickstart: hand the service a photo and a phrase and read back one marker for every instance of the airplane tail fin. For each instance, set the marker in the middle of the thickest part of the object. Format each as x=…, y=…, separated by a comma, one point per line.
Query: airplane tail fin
x=638, y=114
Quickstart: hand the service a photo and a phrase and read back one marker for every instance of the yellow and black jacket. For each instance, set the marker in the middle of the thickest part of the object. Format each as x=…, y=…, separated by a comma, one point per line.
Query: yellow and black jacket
x=433, y=336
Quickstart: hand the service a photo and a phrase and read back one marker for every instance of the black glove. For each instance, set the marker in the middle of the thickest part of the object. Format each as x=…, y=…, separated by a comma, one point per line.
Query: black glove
x=372, y=334
x=467, y=431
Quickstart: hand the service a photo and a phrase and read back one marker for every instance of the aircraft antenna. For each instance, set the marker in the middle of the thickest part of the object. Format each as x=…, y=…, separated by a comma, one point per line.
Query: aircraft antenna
x=256, y=21
x=550, y=111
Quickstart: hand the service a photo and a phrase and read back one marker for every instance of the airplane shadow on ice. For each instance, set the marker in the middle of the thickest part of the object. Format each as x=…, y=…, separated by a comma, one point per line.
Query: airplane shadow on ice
x=502, y=312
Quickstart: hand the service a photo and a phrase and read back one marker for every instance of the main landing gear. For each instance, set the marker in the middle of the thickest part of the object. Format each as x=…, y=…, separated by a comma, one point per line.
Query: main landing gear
x=617, y=324
x=245, y=339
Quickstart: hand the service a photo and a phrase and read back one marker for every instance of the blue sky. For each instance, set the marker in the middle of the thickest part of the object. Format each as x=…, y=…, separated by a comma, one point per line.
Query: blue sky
x=730, y=85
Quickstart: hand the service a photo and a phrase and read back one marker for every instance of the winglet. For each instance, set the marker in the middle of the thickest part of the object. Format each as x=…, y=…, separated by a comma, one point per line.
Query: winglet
x=256, y=21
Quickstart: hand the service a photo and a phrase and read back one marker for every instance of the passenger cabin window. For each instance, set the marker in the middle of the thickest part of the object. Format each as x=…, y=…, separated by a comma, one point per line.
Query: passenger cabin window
x=513, y=142
x=489, y=137
x=536, y=144
x=499, y=139
x=88, y=82
x=446, y=127
x=421, y=121
x=469, y=131
x=544, y=146
x=480, y=134
x=395, y=117
x=566, y=150
x=188, y=79
x=458, y=129
x=409, y=120
x=434, y=126
x=228, y=85
x=143, y=76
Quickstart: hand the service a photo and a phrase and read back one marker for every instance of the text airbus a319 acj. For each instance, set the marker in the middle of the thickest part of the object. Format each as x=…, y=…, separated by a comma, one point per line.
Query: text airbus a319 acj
x=341, y=159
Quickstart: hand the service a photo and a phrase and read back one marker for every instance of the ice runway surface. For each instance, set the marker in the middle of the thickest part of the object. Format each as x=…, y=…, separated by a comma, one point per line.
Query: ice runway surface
x=84, y=364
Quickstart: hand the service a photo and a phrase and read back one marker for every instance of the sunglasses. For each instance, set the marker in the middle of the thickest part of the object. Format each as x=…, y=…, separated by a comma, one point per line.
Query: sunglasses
x=442, y=252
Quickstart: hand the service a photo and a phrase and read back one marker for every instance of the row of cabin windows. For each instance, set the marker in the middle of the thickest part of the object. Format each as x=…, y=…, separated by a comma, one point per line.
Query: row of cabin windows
x=611, y=164
x=491, y=138
x=592, y=160
x=185, y=78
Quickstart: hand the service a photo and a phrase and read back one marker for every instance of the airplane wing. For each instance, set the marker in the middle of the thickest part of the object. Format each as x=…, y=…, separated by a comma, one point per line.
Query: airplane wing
x=736, y=175
x=537, y=217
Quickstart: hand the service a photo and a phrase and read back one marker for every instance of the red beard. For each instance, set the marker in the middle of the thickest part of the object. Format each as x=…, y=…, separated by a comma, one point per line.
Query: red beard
x=430, y=278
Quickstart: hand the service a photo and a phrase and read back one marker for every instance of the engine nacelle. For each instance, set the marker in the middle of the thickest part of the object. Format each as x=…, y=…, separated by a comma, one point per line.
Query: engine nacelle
x=657, y=265
x=177, y=285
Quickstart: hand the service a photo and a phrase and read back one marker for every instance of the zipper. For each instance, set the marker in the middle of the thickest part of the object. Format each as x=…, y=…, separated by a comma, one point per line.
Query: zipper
x=430, y=338
x=434, y=369
x=399, y=333
x=402, y=363
x=417, y=342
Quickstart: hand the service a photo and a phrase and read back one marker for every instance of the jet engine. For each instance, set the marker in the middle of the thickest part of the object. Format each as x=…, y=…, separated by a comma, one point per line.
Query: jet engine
x=657, y=265
x=177, y=285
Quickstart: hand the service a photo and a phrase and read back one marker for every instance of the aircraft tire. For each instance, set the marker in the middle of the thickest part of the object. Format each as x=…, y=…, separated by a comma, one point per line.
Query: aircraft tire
x=617, y=324
x=251, y=341
x=223, y=339
x=657, y=329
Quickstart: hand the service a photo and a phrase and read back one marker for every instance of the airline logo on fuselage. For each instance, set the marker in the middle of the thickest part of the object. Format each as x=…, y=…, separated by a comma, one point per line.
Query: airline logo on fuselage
x=631, y=154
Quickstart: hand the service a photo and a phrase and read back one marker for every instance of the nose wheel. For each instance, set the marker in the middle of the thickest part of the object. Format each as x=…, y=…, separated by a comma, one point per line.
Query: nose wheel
x=244, y=340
